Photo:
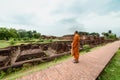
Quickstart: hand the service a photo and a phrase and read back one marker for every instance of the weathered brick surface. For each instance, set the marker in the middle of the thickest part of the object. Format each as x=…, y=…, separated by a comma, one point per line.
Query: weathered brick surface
x=89, y=67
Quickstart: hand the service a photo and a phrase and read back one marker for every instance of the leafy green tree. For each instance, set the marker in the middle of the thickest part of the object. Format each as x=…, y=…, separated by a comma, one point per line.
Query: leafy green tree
x=109, y=31
x=109, y=35
x=105, y=34
x=4, y=34
x=29, y=34
x=34, y=31
x=13, y=33
x=36, y=35
x=22, y=33
x=112, y=36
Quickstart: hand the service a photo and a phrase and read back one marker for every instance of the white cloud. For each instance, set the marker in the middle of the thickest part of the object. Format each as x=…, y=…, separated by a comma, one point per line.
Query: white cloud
x=101, y=23
x=45, y=16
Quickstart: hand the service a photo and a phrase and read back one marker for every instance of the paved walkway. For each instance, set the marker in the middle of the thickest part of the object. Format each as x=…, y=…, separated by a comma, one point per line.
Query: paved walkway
x=90, y=66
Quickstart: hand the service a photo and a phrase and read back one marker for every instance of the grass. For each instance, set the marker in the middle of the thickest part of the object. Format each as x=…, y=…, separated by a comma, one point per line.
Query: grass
x=112, y=70
x=4, y=44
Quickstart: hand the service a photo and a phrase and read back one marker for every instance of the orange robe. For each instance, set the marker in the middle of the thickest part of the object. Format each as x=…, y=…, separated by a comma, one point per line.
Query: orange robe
x=75, y=46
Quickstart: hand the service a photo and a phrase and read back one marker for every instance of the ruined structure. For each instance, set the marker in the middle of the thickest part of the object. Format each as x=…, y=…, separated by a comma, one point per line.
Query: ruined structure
x=15, y=56
x=25, y=53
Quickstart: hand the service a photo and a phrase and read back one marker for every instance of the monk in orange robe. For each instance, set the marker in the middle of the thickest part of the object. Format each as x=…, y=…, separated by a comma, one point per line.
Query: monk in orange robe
x=75, y=47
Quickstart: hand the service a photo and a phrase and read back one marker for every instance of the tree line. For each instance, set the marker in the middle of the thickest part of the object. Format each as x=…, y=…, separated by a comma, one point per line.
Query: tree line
x=87, y=33
x=8, y=33
x=107, y=35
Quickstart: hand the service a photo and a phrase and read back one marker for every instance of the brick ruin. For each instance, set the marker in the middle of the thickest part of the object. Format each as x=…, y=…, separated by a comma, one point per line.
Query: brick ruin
x=15, y=56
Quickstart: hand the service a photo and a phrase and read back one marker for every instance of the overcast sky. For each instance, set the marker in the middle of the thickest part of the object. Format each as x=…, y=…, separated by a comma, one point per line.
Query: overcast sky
x=59, y=17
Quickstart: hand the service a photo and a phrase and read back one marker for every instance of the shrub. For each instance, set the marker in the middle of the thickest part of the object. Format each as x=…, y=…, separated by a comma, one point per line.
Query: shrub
x=86, y=48
x=12, y=42
x=9, y=70
x=112, y=36
x=2, y=74
x=26, y=39
x=26, y=66
x=50, y=40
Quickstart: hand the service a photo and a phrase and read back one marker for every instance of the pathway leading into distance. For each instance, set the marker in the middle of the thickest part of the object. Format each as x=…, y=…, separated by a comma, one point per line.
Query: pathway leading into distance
x=89, y=67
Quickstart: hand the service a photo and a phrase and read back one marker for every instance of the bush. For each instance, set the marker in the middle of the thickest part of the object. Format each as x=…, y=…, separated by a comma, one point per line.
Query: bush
x=12, y=42
x=9, y=70
x=112, y=36
x=26, y=39
x=39, y=40
x=26, y=66
x=19, y=39
x=86, y=48
x=50, y=40
x=2, y=74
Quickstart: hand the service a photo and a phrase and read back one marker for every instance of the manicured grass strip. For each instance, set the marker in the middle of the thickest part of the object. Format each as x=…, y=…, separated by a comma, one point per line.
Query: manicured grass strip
x=112, y=70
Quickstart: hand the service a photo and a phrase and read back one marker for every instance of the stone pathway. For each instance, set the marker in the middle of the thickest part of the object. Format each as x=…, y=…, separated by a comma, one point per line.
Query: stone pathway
x=89, y=67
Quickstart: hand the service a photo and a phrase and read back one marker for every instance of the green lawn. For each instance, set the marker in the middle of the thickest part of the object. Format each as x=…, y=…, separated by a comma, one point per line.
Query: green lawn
x=112, y=70
x=4, y=44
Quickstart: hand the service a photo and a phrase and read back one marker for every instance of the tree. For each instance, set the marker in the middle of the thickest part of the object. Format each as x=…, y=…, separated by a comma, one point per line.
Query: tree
x=109, y=35
x=22, y=33
x=4, y=34
x=83, y=33
x=36, y=35
x=105, y=34
x=109, y=31
x=34, y=31
x=95, y=34
x=13, y=33
x=29, y=34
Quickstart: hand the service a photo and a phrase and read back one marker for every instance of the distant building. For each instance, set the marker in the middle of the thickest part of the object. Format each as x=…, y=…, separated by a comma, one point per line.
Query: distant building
x=66, y=37
x=48, y=37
